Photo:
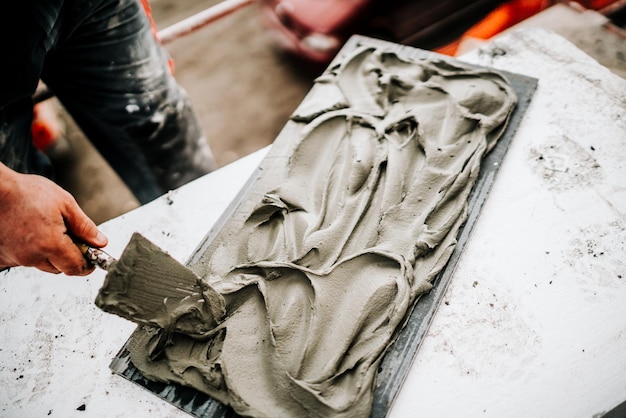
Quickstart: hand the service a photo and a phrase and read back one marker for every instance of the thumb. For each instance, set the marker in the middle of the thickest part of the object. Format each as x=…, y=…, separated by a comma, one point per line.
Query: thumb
x=81, y=227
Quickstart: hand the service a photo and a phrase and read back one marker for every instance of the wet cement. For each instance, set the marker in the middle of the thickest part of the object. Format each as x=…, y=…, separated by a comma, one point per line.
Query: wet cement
x=317, y=280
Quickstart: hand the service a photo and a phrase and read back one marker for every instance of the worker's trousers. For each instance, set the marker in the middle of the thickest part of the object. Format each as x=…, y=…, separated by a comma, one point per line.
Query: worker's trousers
x=112, y=76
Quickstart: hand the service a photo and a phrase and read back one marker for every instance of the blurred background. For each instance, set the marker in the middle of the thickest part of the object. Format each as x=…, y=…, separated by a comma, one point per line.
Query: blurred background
x=247, y=71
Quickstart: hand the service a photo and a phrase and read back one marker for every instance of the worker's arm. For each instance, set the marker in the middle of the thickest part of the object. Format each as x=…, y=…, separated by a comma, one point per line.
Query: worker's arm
x=38, y=223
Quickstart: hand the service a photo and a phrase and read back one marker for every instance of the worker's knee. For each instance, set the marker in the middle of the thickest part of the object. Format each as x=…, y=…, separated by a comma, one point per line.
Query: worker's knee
x=173, y=142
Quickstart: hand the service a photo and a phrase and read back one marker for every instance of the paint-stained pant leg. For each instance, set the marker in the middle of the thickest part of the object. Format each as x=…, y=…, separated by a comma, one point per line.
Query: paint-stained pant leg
x=112, y=76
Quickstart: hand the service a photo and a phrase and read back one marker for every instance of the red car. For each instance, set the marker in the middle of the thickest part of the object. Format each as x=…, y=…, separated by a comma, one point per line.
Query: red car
x=316, y=29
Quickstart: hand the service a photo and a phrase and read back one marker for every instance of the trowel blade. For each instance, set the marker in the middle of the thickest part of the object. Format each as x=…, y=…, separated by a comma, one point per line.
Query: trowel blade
x=149, y=287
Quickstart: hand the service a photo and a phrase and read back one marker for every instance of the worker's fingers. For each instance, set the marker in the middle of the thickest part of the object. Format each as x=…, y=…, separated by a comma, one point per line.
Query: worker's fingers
x=42, y=264
x=81, y=227
x=39, y=222
x=62, y=265
x=68, y=259
x=48, y=267
x=63, y=257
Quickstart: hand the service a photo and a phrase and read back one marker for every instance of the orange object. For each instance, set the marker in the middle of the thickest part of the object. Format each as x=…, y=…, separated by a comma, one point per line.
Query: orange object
x=46, y=127
x=506, y=16
x=509, y=14
x=155, y=32
x=501, y=18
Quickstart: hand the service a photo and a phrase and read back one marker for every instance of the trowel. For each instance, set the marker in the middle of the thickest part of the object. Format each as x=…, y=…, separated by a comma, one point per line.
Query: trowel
x=149, y=287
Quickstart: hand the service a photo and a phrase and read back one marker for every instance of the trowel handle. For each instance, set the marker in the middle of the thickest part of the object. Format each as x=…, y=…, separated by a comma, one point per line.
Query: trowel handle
x=96, y=256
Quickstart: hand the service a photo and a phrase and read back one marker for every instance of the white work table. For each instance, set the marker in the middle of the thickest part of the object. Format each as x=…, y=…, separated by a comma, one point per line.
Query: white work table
x=533, y=323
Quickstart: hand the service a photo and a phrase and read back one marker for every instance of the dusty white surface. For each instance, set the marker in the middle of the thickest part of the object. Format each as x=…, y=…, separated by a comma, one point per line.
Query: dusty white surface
x=534, y=321
x=56, y=346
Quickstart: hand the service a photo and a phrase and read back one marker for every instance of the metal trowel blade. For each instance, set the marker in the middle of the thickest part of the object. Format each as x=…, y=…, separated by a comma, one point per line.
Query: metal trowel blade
x=148, y=286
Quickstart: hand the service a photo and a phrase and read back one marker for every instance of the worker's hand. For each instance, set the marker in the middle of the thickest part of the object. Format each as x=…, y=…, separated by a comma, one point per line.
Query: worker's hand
x=39, y=222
